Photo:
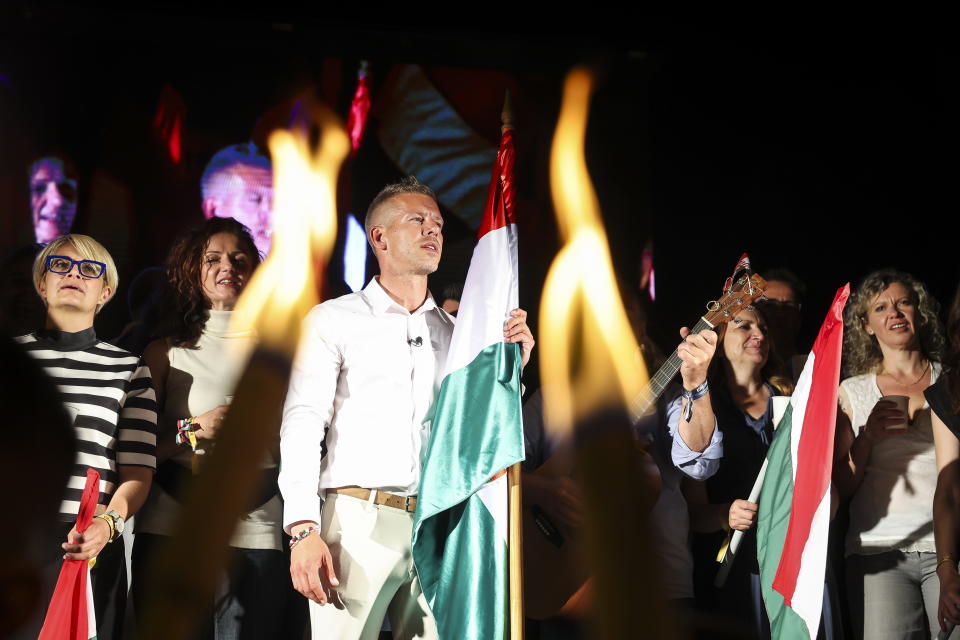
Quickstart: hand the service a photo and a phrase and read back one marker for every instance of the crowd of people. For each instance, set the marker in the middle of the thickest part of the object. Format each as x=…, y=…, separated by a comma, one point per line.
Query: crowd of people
x=324, y=547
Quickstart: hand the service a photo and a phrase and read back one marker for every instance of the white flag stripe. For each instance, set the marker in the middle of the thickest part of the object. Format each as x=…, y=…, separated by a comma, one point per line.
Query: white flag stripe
x=494, y=498
x=799, y=402
x=491, y=279
x=91, y=612
x=808, y=595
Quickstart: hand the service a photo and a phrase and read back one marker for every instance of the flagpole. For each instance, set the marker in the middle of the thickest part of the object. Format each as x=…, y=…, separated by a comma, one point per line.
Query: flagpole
x=516, y=553
x=514, y=503
x=731, y=553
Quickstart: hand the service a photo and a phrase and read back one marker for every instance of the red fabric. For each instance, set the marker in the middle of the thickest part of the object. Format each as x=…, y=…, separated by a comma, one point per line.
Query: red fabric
x=499, y=211
x=67, y=614
x=815, y=449
x=168, y=121
x=359, y=108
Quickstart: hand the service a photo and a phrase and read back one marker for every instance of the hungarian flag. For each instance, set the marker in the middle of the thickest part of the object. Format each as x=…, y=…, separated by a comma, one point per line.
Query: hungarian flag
x=70, y=615
x=794, y=511
x=460, y=531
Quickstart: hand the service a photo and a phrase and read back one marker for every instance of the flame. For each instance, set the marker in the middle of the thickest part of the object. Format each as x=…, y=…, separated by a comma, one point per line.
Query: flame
x=285, y=286
x=590, y=355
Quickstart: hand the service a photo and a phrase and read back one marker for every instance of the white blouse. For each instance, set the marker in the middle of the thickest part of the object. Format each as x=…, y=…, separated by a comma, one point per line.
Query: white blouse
x=892, y=508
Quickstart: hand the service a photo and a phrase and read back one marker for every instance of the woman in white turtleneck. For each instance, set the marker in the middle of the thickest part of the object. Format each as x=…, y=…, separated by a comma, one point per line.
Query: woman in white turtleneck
x=198, y=364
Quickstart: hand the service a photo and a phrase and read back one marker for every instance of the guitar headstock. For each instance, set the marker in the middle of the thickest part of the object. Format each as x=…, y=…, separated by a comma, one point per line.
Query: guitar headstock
x=742, y=293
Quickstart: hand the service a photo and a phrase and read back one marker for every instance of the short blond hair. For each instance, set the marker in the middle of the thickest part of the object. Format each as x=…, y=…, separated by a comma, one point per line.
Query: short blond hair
x=87, y=247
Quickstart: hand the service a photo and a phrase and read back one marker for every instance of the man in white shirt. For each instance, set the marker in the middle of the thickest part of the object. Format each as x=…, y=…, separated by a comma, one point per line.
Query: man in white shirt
x=363, y=387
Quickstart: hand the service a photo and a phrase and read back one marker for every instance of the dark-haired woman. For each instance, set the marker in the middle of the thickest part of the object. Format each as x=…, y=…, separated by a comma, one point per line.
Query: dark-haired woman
x=944, y=399
x=197, y=366
x=885, y=457
x=743, y=383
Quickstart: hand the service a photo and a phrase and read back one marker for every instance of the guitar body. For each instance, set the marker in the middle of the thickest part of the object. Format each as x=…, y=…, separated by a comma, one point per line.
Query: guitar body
x=556, y=573
x=554, y=567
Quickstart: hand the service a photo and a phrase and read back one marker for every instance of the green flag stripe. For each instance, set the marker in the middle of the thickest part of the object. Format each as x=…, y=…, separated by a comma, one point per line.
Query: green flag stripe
x=772, y=523
x=474, y=410
x=469, y=581
x=459, y=552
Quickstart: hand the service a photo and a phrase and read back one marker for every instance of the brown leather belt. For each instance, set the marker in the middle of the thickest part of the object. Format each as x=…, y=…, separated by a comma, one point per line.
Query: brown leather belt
x=404, y=503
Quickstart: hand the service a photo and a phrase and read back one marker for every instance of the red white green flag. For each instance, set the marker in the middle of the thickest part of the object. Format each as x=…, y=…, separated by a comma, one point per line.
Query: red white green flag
x=794, y=515
x=460, y=532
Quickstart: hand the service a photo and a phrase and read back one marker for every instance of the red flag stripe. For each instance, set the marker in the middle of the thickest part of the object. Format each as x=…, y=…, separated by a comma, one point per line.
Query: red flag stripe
x=815, y=449
x=499, y=211
x=359, y=109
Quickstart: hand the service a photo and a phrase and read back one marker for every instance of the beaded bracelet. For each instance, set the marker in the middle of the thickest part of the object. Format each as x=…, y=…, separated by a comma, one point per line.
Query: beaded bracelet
x=691, y=396
x=295, y=540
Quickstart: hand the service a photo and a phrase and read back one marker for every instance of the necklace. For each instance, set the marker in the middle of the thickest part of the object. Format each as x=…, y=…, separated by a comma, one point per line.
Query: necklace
x=897, y=380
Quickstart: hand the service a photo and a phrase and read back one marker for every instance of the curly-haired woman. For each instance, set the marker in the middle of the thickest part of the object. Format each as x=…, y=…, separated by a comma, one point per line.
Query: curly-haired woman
x=197, y=366
x=885, y=459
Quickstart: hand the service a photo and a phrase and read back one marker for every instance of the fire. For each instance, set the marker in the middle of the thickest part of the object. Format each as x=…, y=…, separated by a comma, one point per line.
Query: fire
x=274, y=303
x=590, y=355
x=285, y=287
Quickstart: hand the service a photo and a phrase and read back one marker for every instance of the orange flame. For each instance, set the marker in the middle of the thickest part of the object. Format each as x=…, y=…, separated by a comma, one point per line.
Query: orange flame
x=591, y=359
x=305, y=227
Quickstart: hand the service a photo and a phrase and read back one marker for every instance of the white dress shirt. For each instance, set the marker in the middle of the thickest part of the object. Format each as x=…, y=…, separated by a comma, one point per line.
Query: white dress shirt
x=364, y=382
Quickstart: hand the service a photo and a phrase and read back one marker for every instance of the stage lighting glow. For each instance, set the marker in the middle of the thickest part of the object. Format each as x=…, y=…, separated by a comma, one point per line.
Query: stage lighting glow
x=355, y=255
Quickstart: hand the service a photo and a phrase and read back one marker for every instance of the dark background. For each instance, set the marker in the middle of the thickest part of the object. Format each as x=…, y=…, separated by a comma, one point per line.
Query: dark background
x=826, y=146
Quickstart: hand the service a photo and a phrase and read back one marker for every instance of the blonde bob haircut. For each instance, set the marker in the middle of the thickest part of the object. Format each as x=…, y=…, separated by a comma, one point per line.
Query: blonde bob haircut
x=89, y=249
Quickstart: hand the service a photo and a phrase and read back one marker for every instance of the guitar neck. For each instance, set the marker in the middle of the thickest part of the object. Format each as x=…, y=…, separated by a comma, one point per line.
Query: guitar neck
x=659, y=381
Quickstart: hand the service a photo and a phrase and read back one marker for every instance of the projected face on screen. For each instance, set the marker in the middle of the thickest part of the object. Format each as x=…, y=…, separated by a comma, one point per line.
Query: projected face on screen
x=53, y=199
x=238, y=183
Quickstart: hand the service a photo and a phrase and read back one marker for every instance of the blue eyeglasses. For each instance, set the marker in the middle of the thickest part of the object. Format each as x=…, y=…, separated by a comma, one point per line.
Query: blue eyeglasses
x=64, y=264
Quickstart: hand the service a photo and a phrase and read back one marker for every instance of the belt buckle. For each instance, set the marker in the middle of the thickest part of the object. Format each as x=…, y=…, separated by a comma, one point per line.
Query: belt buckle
x=406, y=503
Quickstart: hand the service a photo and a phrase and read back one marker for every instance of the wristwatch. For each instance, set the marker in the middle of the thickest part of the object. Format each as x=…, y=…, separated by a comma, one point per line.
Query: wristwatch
x=115, y=521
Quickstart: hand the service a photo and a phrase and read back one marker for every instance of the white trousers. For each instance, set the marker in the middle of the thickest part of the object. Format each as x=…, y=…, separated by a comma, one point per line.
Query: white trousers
x=370, y=545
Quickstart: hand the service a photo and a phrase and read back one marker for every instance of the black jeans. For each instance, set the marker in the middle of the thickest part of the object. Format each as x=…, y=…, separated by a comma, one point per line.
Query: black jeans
x=254, y=600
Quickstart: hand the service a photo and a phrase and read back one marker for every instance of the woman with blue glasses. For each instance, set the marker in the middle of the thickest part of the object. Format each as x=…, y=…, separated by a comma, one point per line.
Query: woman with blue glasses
x=109, y=395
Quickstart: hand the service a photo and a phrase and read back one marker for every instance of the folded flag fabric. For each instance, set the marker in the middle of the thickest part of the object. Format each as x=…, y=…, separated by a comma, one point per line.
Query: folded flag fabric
x=70, y=615
x=460, y=531
x=793, y=519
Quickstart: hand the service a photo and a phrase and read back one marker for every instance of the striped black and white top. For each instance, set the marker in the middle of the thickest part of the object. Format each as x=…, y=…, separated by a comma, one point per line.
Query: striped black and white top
x=110, y=396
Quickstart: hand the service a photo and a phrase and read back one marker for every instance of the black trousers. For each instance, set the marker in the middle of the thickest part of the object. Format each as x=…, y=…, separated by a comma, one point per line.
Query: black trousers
x=255, y=599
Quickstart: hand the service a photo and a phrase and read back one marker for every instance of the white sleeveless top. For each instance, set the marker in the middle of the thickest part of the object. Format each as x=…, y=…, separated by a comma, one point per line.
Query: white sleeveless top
x=892, y=508
x=200, y=380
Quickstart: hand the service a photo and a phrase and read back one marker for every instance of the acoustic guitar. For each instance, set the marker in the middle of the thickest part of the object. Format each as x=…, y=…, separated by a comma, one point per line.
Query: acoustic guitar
x=556, y=578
